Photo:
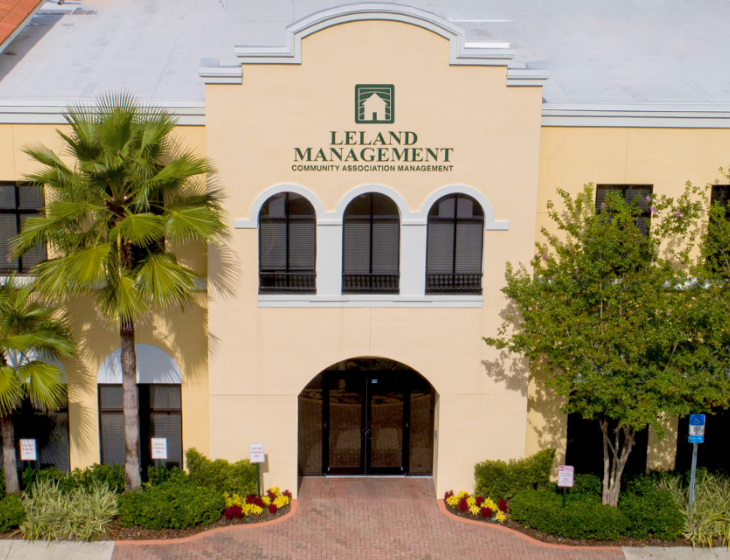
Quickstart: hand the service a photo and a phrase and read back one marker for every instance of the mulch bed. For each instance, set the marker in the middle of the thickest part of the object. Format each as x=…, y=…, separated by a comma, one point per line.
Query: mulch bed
x=118, y=533
x=551, y=539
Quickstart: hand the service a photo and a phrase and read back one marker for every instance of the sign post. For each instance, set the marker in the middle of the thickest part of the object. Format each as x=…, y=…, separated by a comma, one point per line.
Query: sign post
x=29, y=452
x=256, y=456
x=696, y=436
x=159, y=453
x=566, y=476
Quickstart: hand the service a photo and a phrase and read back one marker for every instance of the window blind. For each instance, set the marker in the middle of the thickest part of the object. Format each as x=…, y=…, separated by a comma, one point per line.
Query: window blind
x=632, y=194
x=17, y=203
x=455, y=241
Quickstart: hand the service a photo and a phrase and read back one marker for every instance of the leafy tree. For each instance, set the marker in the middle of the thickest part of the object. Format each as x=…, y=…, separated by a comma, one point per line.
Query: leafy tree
x=618, y=320
x=31, y=336
x=130, y=193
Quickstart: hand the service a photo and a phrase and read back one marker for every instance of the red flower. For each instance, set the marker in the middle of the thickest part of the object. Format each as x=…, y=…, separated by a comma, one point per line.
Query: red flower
x=486, y=512
x=502, y=505
x=271, y=495
x=250, y=499
x=480, y=500
x=463, y=506
x=288, y=494
x=233, y=512
x=448, y=494
x=259, y=502
x=272, y=508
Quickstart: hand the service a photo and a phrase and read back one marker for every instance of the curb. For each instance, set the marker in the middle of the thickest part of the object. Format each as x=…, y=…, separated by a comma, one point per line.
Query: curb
x=442, y=507
x=290, y=514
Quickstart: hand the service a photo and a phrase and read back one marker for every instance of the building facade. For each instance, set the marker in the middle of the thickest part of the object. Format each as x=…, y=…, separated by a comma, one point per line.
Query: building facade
x=379, y=170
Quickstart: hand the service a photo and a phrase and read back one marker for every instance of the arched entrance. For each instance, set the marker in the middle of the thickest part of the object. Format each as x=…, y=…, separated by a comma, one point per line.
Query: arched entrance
x=367, y=416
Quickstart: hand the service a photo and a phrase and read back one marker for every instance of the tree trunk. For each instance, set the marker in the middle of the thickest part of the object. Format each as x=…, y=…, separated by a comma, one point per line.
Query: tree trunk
x=10, y=466
x=615, y=456
x=132, y=479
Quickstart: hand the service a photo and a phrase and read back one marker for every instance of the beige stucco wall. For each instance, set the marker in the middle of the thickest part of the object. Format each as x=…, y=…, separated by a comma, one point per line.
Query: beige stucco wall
x=261, y=358
x=182, y=334
x=573, y=157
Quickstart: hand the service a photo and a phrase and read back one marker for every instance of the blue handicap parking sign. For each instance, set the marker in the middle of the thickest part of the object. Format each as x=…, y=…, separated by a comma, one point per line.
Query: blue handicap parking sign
x=696, y=428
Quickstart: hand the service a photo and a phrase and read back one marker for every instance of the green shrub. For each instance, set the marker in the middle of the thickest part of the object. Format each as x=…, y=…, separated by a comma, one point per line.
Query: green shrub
x=652, y=514
x=237, y=478
x=76, y=514
x=709, y=517
x=109, y=475
x=177, y=505
x=503, y=480
x=583, y=517
x=12, y=513
x=157, y=476
x=587, y=484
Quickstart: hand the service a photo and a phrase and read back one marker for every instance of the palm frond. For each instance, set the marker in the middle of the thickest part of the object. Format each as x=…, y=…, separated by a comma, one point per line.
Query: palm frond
x=122, y=301
x=140, y=229
x=44, y=384
x=165, y=281
x=11, y=390
x=194, y=223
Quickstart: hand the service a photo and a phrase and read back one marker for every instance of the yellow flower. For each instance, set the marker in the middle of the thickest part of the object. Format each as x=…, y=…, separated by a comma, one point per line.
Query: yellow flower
x=266, y=500
x=501, y=516
x=281, y=501
x=463, y=494
x=471, y=501
x=452, y=501
x=490, y=504
x=275, y=490
x=474, y=510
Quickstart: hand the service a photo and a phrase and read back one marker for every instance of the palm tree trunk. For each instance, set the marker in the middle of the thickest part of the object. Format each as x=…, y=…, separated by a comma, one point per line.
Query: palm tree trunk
x=132, y=480
x=10, y=466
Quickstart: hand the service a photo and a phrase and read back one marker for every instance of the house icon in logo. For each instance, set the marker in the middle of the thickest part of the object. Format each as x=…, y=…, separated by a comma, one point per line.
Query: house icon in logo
x=374, y=103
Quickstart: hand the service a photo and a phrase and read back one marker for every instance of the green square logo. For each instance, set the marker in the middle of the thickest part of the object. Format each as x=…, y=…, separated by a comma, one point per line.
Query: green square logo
x=374, y=103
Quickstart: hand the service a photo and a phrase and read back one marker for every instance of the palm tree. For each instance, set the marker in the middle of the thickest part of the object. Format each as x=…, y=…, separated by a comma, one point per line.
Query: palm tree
x=31, y=335
x=112, y=216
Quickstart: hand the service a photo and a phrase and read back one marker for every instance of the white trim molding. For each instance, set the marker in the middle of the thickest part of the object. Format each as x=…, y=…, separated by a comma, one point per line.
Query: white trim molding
x=636, y=116
x=50, y=111
x=490, y=223
x=483, y=54
x=212, y=72
x=370, y=301
x=408, y=218
x=252, y=222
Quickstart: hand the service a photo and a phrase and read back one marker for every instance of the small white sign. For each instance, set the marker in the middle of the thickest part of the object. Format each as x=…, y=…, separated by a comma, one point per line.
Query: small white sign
x=566, y=474
x=159, y=448
x=256, y=452
x=28, y=450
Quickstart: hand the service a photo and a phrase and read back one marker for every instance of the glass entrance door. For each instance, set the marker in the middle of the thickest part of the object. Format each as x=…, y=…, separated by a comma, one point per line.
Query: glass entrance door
x=385, y=424
x=365, y=423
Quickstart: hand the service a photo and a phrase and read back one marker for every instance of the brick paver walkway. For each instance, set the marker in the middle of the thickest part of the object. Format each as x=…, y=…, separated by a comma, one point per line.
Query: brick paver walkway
x=362, y=519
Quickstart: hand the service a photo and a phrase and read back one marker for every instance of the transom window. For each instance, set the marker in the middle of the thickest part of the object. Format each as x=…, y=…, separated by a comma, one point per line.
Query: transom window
x=631, y=193
x=455, y=246
x=287, y=245
x=371, y=245
x=17, y=203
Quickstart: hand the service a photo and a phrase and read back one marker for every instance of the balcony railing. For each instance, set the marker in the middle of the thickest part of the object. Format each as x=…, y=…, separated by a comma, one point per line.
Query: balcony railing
x=370, y=283
x=282, y=282
x=454, y=283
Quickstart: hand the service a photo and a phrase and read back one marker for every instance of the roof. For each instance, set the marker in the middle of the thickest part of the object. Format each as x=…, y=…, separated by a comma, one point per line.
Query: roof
x=659, y=56
x=13, y=14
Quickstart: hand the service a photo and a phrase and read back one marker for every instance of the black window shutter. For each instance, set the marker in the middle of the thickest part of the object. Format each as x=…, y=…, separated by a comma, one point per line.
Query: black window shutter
x=371, y=245
x=455, y=242
x=287, y=245
x=111, y=424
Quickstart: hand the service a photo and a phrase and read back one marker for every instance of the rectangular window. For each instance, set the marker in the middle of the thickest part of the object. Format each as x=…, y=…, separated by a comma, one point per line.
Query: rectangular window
x=631, y=193
x=49, y=430
x=17, y=203
x=721, y=195
x=160, y=416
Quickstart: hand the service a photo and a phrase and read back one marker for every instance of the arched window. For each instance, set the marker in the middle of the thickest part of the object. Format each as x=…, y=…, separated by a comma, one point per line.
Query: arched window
x=287, y=245
x=370, y=245
x=455, y=240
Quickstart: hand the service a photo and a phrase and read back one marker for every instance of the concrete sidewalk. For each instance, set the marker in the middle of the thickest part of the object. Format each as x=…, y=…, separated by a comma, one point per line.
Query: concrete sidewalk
x=675, y=553
x=41, y=550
